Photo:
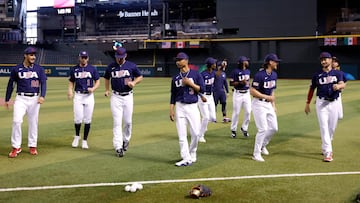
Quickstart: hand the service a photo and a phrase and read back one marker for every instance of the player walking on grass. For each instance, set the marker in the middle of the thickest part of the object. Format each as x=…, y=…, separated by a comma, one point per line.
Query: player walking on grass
x=240, y=80
x=30, y=80
x=329, y=83
x=185, y=87
x=124, y=76
x=207, y=108
x=221, y=88
x=263, y=105
x=85, y=79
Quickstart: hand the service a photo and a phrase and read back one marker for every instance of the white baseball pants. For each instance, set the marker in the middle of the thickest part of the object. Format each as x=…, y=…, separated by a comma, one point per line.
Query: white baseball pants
x=241, y=100
x=25, y=105
x=208, y=112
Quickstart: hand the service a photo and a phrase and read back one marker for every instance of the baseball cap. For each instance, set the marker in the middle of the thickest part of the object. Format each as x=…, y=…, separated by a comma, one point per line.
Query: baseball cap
x=210, y=61
x=271, y=57
x=83, y=54
x=181, y=56
x=325, y=55
x=242, y=59
x=120, y=52
x=30, y=50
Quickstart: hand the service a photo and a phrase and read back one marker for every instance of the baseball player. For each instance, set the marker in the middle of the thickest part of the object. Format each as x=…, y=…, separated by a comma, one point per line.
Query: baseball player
x=85, y=79
x=329, y=83
x=207, y=108
x=124, y=76
x=30, y=80
x=263, y=105
x=336, y=66
x=240, y=80
x=185, y=87
x=221, y=94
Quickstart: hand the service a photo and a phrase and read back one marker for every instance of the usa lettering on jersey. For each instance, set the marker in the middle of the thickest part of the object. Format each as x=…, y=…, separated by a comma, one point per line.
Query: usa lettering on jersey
x=244, y=77
x=327, y=80
x=209, y=81
x=179, y=83
x=270, y=84
x=120, y=73
x=84, y=74
x=28, y=75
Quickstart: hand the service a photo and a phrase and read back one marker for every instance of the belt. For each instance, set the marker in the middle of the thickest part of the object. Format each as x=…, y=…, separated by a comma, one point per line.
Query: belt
x=328, y=99
x=264, y=100
x=27, y=94
x=208, y=93
x=82, y=92
x=122, y=93
x=241, y=91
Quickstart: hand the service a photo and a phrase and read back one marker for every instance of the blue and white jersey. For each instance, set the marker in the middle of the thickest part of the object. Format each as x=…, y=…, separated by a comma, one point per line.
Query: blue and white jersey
x=83, y=77
x=220, y=82
x=27, y=79
x=209, y=79
x=182, y=93
x=265, y=83
x=324, y=82
x=238, y=75
x=120, y=75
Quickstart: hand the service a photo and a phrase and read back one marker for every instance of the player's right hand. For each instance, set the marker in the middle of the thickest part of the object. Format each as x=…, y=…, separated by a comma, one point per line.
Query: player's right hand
x=106, y=93
x=307, y=109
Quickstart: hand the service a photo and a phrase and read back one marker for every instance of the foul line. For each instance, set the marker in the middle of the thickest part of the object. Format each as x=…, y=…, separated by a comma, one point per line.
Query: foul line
x=177, y=181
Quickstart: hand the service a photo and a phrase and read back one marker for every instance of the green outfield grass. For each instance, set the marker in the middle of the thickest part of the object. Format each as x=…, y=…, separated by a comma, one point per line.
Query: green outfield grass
x=154, y=149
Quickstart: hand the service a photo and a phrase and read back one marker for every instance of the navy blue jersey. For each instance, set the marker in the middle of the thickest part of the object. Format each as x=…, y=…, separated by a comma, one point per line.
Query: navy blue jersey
x=238, y=75
x=83, y=77
x=220, y=82
x=209, y=79
x=121, y=74
x=185, y=94
x=28, y=80
x=324, y=82
x=265, y=83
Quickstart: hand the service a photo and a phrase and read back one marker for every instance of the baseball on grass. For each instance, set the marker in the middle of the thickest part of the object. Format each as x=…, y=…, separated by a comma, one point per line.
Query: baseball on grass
x=127, y=188
x=139, y=186
x=133, y=188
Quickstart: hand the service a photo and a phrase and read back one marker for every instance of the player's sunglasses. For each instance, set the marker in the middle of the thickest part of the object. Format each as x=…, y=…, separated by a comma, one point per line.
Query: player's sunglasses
x=84, y=57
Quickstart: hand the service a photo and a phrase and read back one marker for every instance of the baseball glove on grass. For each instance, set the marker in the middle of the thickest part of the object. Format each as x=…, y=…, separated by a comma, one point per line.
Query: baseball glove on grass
x=198, y=191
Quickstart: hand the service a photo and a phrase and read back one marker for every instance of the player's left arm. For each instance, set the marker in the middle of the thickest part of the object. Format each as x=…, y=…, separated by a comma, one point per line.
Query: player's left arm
x=96, y=85
x=43, y=80
x=136, y=81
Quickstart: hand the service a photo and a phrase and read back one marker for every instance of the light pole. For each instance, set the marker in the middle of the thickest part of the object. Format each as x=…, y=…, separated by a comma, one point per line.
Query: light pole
x=149, y=19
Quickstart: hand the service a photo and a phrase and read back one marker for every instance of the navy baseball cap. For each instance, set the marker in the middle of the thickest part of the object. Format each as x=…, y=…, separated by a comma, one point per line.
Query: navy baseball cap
x=181, y=56
x=120, y=52
x=271, y=57
x=210, y=61
x=83, y=54
x=30, y=50
x=335, y=59
x=325, y=55
x=242, y=59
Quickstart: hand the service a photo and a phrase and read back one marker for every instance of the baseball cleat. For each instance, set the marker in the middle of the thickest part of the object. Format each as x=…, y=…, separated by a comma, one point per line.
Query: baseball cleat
x=233, y=134
x=328, y=157
x=193, y=157
x=14, y=152
x=84, y=145
x=264, y=151
x=183, y=163
x=226, y=120
x=245, y=133
x=75, y=142
x=33, y=151
x=126, y=145
x=202, y=139
x=120, y=152
x=258, y=158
